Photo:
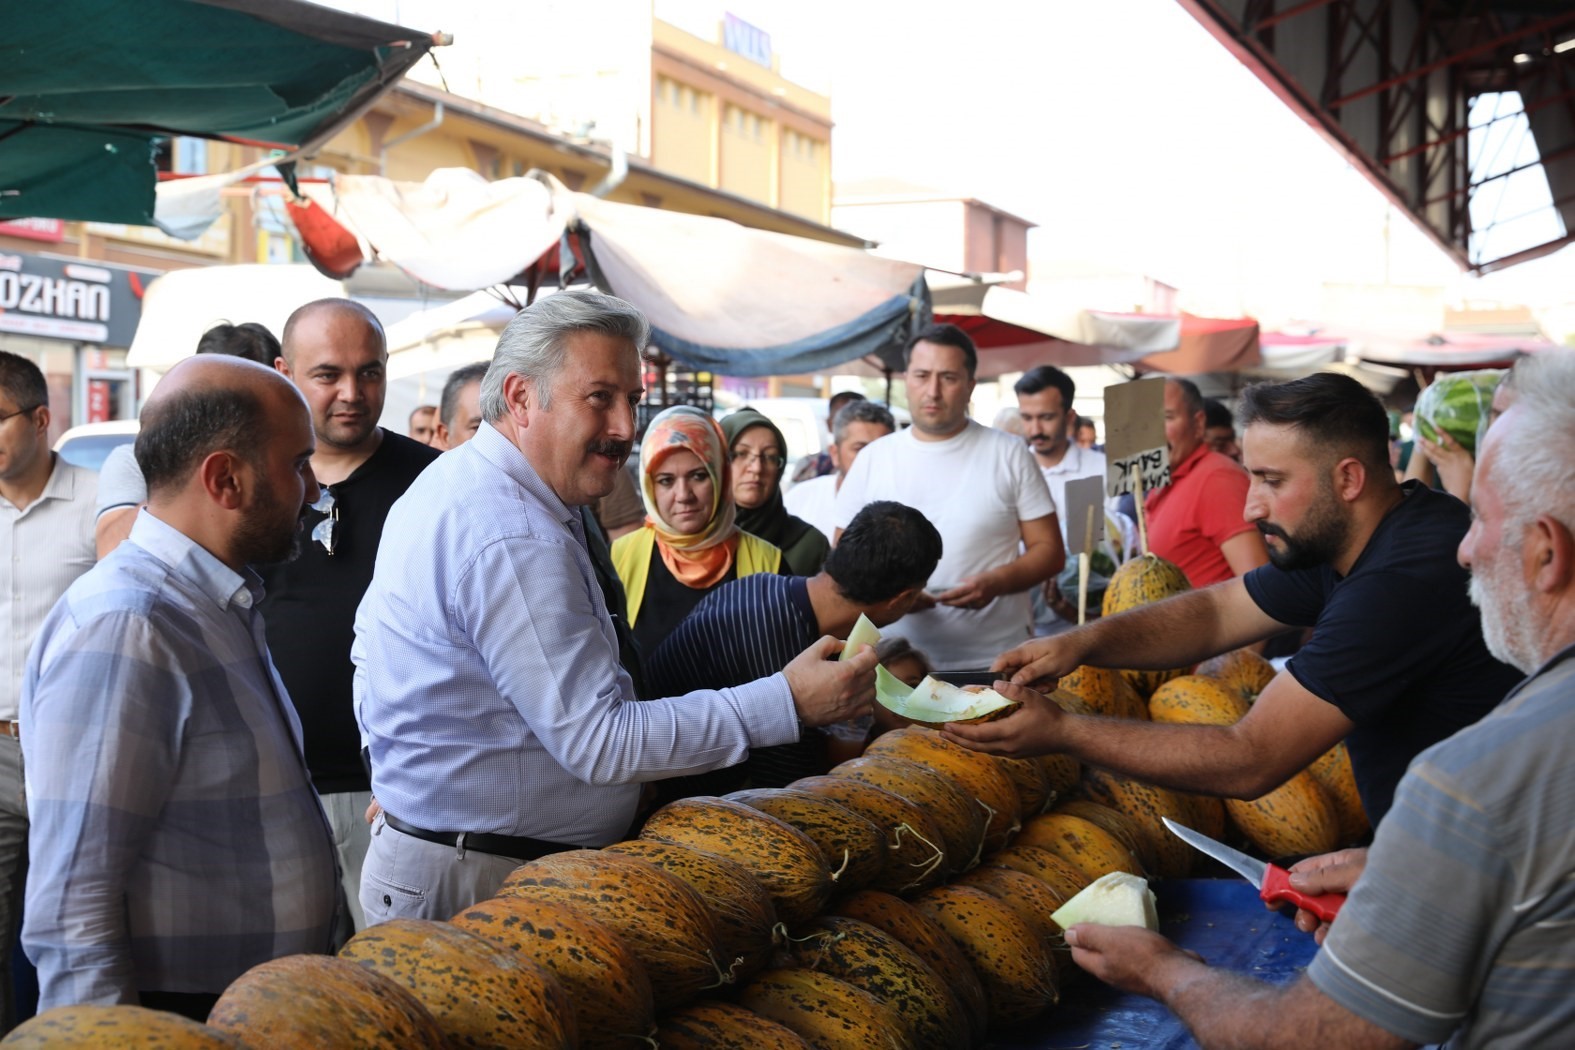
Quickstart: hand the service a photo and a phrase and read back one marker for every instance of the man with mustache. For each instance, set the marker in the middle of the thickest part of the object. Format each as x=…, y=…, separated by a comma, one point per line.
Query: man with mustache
x=335, y=353
x=500, y=725
x=1396, y=661
x=1457, y=925
x=176, y=840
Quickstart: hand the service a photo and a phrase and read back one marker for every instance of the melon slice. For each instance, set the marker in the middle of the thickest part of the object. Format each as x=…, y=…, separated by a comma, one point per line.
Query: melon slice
x=864, y=633
x=1116, y=899
x=934, y=703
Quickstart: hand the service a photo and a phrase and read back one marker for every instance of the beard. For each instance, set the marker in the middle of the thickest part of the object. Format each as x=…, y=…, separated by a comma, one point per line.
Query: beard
x=1509, y=638
x=1321, y=538
x=270, y=534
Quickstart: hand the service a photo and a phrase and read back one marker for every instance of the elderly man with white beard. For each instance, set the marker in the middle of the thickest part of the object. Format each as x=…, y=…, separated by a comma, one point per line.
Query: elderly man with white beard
x=1458, y=927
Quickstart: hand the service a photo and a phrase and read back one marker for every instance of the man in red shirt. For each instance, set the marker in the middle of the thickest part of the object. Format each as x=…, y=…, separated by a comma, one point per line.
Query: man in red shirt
x=1198, y=520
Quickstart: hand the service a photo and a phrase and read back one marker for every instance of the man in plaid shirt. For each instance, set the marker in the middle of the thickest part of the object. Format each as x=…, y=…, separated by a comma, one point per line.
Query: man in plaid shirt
x=176, y=839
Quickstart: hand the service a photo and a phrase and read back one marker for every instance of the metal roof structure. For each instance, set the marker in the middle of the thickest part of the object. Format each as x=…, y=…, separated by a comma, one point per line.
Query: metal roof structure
x=1462, y=112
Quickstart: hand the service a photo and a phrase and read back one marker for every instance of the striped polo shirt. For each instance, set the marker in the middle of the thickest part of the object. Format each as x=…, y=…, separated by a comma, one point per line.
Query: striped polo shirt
x=1462, y=926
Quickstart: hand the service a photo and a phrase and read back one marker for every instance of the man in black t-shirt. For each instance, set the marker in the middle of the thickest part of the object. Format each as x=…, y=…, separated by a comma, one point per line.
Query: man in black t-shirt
x=1397, y=660
x=335, y=353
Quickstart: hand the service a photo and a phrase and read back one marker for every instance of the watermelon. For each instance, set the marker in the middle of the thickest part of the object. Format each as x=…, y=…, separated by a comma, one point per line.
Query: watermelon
x=1457, y=403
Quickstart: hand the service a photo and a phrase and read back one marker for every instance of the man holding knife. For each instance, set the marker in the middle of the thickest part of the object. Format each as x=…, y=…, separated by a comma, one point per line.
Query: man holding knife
x=1459, y=926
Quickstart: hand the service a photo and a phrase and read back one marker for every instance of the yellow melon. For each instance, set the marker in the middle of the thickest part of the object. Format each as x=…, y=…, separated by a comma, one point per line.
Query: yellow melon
x=479, y=993
x=1243, y=672
x=929, y=942
x=1017, y=969
x=669, y=926
x=1295, y=818
x=611, y=993
x=1196, y=699
x=1334, y=774
x=725, y=1026
x=1087, y=846
x=977, y=774
x=323, y=1001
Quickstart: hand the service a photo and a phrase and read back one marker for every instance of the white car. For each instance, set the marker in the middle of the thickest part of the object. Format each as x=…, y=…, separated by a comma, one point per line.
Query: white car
x=88, y=445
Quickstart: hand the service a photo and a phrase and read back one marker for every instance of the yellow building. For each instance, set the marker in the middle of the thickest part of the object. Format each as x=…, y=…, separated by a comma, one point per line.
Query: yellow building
x=706, y=126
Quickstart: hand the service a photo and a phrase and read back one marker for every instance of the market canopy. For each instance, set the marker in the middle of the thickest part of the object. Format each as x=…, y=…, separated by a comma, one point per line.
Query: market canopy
x=721, y=297
x=87, y=87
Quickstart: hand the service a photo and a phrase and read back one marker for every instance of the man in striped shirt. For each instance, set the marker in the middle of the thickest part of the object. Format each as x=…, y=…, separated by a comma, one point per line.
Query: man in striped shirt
x=753, y=627
x=176, y=840
x=1459, y=925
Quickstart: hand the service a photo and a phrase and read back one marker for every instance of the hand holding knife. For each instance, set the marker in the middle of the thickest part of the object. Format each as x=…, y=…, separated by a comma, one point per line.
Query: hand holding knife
x=1273, y=881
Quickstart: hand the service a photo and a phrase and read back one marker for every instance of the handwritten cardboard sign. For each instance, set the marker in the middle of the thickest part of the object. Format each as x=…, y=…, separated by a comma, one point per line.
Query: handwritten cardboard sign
x=1135, y=435
x=1084, y=496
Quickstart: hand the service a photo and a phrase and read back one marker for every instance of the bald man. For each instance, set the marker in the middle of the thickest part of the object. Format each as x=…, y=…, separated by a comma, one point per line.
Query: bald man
x=334, y=351
x=176, y=840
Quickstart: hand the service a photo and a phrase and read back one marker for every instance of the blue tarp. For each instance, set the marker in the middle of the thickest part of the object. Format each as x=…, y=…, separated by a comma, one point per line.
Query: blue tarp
x=1222, y=920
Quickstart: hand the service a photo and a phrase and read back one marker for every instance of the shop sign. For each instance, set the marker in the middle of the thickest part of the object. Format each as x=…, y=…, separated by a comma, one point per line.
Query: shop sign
x=53, y=230
x=59, y=299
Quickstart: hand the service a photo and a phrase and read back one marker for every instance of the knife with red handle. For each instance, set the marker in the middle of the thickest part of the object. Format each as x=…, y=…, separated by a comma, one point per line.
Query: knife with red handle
x=1273, y=881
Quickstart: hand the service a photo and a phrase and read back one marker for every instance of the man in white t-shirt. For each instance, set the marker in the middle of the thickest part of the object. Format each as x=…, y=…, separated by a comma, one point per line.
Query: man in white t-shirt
x=983, y=492
x=857, y=424
x=1044, y=404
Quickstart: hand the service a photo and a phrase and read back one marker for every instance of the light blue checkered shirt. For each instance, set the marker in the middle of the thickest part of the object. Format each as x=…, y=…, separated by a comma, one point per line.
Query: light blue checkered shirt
x=487, y=677
x=176, y=840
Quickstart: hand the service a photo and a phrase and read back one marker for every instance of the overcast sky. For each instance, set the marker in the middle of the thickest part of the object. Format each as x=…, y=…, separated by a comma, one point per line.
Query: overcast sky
x=1120, y=126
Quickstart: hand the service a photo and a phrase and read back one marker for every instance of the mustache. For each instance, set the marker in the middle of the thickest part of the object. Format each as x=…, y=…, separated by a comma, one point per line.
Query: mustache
x=1266, y=529
x=620, y=449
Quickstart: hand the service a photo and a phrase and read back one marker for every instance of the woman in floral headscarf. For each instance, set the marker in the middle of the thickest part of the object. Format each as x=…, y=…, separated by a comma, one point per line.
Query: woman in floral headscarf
x=690, y=542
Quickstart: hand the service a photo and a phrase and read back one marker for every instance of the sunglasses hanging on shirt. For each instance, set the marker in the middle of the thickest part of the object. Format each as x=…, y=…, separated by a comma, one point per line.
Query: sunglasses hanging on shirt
x=326, y=532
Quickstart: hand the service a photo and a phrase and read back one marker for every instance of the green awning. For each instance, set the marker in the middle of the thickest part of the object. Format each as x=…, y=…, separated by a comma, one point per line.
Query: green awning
x=88, y=86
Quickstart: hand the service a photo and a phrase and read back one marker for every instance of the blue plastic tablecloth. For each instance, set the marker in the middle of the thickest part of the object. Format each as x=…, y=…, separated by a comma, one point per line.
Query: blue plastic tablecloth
x=1222, y=920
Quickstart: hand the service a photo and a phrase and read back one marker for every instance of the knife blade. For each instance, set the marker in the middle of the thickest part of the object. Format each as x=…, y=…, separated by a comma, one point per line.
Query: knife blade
x=1272, y=881
x=968, y=677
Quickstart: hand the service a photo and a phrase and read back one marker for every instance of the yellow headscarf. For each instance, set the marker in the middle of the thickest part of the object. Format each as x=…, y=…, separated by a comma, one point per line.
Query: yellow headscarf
x=699, y=559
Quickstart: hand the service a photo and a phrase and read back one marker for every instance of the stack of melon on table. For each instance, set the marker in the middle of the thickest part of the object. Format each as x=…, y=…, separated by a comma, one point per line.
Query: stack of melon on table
x=904, y=900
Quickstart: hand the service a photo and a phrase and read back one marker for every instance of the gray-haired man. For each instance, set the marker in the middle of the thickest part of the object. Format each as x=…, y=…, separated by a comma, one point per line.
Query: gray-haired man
x=857, y=424
x=500, y=724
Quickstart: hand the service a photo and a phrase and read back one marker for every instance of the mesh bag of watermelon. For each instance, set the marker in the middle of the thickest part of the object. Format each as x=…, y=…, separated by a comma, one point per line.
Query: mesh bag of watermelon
x=1457, y=403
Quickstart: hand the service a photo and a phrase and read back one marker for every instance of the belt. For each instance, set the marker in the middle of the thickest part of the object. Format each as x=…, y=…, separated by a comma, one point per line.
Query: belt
x=517, y=847
x=11, y=729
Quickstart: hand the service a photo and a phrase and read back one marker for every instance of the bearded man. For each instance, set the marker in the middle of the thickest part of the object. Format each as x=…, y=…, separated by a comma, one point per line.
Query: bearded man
x=1456, y=927
x=1396, y=662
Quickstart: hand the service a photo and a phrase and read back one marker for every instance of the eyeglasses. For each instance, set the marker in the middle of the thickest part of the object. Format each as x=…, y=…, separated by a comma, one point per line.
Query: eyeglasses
x=20, y=412
x=326, y=531
x=767, y=460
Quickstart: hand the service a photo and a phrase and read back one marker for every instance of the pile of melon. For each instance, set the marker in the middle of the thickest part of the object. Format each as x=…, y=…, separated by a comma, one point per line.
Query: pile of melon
x=907, y=899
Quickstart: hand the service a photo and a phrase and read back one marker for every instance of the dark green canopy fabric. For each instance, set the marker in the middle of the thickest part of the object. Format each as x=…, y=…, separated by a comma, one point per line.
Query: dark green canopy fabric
x=88, y=86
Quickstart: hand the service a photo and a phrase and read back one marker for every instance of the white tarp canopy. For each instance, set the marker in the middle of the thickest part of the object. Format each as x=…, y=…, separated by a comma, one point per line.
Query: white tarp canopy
x=719, y=295
x=182, y=304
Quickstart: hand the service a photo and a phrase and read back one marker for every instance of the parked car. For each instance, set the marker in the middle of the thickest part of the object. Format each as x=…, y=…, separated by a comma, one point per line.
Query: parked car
x=89, y=444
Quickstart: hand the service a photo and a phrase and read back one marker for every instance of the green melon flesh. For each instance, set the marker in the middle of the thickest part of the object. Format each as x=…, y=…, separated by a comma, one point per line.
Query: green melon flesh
x=864, y=633
x=936, y=703
x=1116, y=899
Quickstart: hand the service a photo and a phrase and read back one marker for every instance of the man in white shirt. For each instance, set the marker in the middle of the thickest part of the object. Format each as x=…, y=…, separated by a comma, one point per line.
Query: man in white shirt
x=981, y=489
x=1044, y=404
x=857, y=424
x=46, y=528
